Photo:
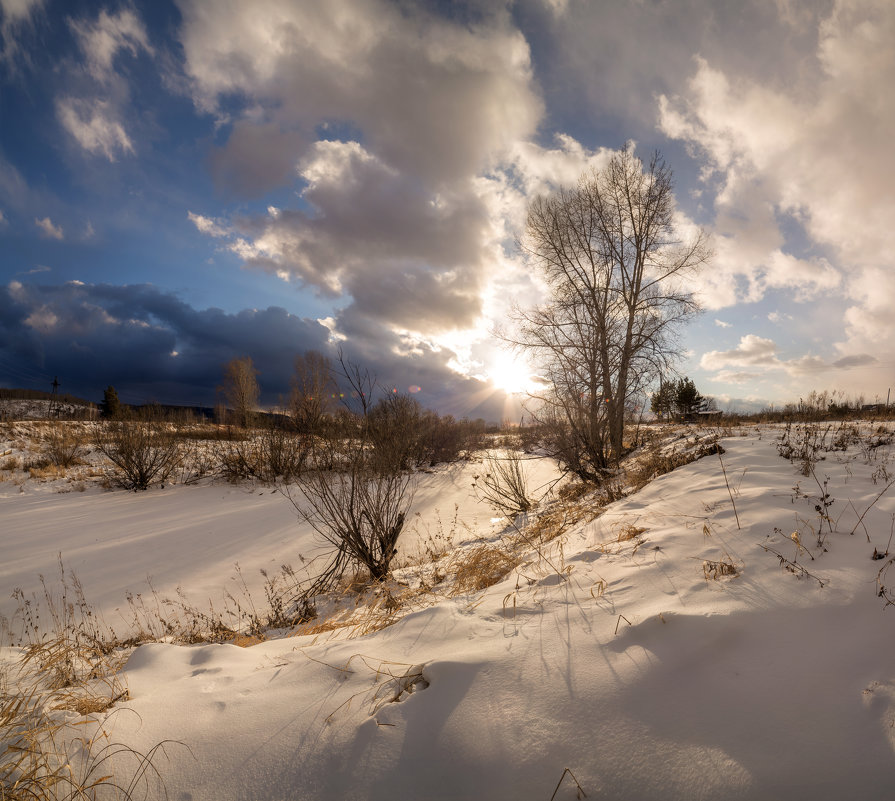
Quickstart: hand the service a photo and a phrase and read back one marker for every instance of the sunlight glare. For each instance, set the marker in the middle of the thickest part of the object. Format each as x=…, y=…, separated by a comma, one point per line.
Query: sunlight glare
x=511, y=374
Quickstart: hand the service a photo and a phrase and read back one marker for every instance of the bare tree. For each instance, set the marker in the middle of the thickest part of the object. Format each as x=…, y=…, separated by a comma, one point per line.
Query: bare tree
x=313, y=391
x=241, y=389
x=616, y=267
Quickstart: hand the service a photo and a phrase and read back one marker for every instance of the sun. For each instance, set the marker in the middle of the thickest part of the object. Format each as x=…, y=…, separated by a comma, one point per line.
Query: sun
x=511, y=374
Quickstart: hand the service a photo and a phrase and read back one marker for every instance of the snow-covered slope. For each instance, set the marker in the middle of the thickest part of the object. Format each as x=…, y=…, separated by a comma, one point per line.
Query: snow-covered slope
x=625, y=652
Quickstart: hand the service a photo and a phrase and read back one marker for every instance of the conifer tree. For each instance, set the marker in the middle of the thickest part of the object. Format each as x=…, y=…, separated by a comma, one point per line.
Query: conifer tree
x=110, y=408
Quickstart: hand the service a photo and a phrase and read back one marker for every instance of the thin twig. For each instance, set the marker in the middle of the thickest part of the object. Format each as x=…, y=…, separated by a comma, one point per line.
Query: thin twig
x=882, y=492
x=581, y=793
x=729, y=491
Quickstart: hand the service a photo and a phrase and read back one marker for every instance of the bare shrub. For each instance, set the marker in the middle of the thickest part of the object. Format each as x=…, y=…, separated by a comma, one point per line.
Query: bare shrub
x=65, y=446
x=503, y=484
x=143, y=451
x=268, y=455
x=803, y=443
x=359, y=508
x=396, y=427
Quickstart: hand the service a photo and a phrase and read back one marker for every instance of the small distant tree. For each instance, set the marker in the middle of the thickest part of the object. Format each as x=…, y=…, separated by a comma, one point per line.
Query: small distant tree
x=110, y=408
x=241, y=389
x=313, y=392
x=678, y=399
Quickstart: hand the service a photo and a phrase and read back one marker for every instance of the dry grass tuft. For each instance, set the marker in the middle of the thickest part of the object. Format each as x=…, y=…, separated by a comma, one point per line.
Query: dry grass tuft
x=628, y=531
x=716, y=569
x=46, y=754
x=481, y=567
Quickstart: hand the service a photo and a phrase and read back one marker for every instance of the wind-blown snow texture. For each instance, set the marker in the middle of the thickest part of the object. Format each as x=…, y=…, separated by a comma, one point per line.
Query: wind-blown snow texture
x=668, y=685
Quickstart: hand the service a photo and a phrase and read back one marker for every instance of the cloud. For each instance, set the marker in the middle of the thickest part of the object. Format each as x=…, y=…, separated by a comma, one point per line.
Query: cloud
x=736, y=377
x=93, y=335
x=48, y=229
x=387, y=121
x=722, y=324
x=460, y=91
x=101, y=40
x=94, y=113
x=857, y=360
x=17, y=15
x=751, y=350
x=16, y=11
x=94, y=127
x=207, y=225
x=256, y=158
x=807, y=158
x=36, y=270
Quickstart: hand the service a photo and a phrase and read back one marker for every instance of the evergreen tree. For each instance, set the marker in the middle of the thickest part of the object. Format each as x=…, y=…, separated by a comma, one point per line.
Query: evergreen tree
x=111, y=406
x=687, y=399
x=662, y=402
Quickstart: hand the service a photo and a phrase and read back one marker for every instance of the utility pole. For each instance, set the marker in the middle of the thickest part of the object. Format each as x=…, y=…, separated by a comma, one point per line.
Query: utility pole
x=53, y=411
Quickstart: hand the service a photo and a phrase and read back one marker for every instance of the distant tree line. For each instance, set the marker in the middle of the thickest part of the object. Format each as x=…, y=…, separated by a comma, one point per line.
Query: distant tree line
x=37, y=394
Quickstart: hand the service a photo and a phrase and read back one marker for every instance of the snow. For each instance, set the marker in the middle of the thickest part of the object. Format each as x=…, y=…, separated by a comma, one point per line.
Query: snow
x=614, y=657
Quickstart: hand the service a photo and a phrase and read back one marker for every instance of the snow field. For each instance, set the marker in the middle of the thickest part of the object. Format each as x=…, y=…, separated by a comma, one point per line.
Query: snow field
x=609, y=652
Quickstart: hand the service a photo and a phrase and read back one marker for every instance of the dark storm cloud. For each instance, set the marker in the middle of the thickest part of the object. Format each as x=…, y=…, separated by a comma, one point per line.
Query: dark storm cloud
x=149, y=344
x=152, y=346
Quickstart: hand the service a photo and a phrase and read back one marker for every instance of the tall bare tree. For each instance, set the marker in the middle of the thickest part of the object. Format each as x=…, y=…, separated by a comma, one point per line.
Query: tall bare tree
x=616, y=267
x=241, y=389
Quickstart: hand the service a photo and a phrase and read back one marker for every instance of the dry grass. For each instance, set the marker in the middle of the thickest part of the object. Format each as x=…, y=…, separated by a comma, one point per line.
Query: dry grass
x=49, y=472
x=712, y=569
x=52, y=745
x=656, y=460
x=481, y=567
x=47, y=756
x=10, y=464
x=629, y=531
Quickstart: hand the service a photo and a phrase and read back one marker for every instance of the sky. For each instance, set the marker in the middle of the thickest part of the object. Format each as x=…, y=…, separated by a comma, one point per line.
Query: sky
x=186, y=182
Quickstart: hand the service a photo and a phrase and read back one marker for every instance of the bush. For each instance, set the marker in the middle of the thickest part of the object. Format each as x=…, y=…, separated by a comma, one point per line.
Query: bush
x=359, y=507
x=503, y=485
x=64, y=446
x=143, y=452
x=271, y=454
